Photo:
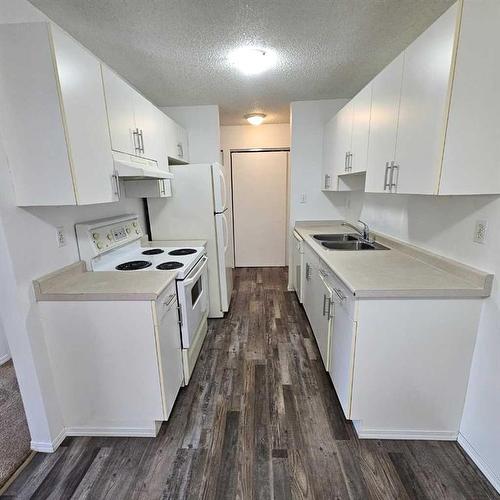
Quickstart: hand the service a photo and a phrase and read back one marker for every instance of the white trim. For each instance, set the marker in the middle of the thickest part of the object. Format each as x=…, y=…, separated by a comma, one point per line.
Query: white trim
x=149, y=431
x=48, y=447
x=404, y=434
x=4, y=359
x=482, y=465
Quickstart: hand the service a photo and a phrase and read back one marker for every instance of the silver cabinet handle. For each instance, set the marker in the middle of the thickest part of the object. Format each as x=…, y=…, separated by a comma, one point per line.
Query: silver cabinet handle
x=142, y=141
x=386, y=183
x=393, y=180
x=329, y=311
x=137, y=144
x=116, y=182
x=162, y=187
x=180, y=150
x=350, y=162
x=308, y=271
x=346, y=161
x=327, y=181
x=169, y=300
x=340, y=295
x=179, y=310
x=324, y=304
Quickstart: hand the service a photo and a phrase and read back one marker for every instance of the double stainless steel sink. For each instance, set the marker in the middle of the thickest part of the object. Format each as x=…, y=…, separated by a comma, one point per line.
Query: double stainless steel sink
x=347, y=242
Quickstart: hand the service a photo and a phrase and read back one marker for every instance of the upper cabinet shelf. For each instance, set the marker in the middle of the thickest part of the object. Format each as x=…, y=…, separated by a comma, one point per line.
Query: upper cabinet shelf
x=433, y=112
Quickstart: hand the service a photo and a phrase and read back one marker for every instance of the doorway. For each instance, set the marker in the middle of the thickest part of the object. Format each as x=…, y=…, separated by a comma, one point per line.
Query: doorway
x=260, y=205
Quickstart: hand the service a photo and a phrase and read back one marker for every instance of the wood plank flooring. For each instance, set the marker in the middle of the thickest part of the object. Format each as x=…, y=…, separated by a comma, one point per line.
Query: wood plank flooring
x=259, y=419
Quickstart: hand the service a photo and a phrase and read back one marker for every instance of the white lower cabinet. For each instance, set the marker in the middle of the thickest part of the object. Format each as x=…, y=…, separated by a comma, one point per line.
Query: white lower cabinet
x=151, y=188
x=169, y=348
x=399, y=366
x=342, y=345
x=116, y=364
x=297, y=265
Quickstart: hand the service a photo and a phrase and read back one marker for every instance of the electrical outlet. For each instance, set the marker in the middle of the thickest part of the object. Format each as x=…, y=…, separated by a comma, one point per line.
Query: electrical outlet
x=303, y=198
x=61, y=236
x=480, y=231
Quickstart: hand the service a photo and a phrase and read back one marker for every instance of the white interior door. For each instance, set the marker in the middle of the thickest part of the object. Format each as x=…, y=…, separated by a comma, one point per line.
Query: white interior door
x=260, y=207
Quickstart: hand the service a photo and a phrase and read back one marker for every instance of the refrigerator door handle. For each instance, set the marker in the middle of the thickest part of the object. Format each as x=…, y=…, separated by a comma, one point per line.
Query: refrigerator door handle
x=223, y=189
x=226, y=232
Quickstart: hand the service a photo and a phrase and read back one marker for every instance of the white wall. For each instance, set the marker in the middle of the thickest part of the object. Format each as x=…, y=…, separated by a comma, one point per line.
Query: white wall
x=202, y=124
x=4, y=347
x=28, y=249
x=306, y=155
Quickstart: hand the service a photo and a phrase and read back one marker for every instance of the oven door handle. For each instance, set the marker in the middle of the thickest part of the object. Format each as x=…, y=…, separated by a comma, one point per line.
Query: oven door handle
x=197, y=271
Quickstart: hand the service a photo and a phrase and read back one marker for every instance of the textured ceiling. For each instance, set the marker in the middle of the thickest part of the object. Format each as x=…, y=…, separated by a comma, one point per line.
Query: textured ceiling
x=175, y=51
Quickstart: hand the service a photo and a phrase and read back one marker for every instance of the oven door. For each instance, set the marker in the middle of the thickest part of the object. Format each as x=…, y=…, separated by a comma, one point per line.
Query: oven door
x=192, y=292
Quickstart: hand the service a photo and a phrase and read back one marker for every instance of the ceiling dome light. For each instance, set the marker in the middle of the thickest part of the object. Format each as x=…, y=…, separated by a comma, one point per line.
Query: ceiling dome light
x=251, y=60
x=255, y=118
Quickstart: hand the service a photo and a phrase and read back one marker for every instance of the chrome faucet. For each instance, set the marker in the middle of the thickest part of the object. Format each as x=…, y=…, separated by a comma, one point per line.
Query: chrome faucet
x=365, y=232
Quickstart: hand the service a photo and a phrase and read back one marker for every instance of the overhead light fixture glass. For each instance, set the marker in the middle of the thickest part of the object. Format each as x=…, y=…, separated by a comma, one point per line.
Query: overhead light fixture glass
x=255, y=118
x=252, y=60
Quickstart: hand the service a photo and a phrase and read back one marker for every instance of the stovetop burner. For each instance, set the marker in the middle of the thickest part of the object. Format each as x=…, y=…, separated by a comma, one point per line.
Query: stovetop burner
x=153, y=251
x=168, y=266
x=182, y=251
x=133, y=265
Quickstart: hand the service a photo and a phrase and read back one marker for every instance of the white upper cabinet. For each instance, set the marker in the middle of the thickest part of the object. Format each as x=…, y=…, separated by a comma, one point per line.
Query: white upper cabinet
x=120, y=102
x=361, y=112
x=433, y=127
x=177, y=142
x=53, y=118
x=386, y=92
x=424, y=106
x=136, y=126
x=472, y=152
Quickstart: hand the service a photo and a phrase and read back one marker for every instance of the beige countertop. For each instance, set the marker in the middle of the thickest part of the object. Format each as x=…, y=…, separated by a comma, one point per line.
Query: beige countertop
x=402, y=271
x=74, y=282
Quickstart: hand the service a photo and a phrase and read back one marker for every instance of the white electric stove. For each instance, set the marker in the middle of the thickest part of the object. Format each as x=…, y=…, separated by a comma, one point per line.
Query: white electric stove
x=114, y=244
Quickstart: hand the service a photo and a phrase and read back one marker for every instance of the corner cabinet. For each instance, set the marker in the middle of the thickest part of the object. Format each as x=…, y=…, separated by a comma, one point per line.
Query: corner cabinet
x=53, y=119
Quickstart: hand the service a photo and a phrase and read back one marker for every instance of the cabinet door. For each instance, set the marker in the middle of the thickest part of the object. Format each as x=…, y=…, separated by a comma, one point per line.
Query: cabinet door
x=86, y=123
x=182, y=143
x=324, y=314
x=170, y=356
x=470, y=164
x=342, y=355
x=341, y=141
x=386, y=91
x=151, y=123
x=120, y=103
x=310, y=267
x=424, y=107
x=327, y=183
x=361, y=110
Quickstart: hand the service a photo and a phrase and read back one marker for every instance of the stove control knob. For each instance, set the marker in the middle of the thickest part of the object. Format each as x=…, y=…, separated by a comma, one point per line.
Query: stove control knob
x=110, y=237
x=137, y=231
x=99, y=245
x=128, y=230
x=95, y=236
x=134, y=224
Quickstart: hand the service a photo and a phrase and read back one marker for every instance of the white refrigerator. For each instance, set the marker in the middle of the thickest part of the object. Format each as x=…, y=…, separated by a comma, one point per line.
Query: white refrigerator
x=198, y=210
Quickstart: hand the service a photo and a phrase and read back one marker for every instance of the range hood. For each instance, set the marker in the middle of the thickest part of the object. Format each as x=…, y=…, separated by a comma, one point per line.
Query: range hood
x=135, y=168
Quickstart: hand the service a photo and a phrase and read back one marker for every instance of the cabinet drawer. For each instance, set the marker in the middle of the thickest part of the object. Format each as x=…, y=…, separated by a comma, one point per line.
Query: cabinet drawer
x=166, y=301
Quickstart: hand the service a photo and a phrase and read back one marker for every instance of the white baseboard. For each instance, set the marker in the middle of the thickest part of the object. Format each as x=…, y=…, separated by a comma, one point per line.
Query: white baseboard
x=490, y=474
x=404, y=434
x=113, y=431
x=4, y=359
x=48, y=447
